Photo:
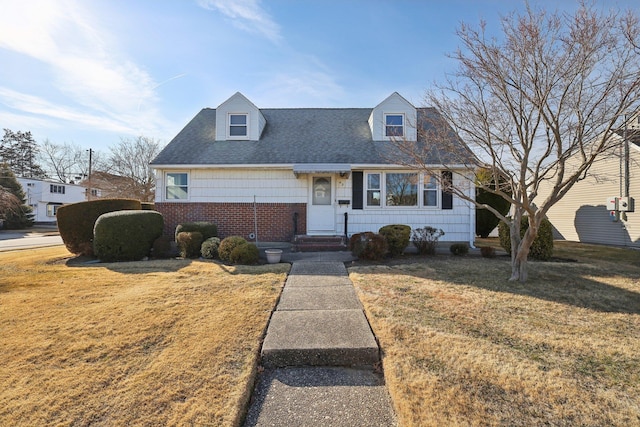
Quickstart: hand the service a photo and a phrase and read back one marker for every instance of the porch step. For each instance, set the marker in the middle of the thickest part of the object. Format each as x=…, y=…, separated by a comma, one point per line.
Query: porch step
x=305, y=243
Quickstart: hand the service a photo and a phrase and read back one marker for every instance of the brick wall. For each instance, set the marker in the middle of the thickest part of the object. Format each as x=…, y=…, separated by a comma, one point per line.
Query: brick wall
x=275, y=220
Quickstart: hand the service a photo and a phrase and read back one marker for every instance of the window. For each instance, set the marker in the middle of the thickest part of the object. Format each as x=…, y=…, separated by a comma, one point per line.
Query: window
x=373, y=189
x=176, y=186
x=238, y=125
x=59, y=189
x=52, y=209
x=393, y=125
x=402, y=189
x=430, y=192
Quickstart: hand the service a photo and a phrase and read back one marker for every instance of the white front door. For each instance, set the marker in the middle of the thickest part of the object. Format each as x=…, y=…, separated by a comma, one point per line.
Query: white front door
x=321, y=216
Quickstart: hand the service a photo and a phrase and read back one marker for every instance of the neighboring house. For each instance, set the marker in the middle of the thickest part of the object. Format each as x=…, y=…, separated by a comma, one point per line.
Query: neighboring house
x=294, y=171
x=585, y=213
x=45, y=197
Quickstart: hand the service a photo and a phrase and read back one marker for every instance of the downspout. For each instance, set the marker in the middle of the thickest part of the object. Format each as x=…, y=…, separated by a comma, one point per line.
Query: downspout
x=472, y=218
x=255, y=219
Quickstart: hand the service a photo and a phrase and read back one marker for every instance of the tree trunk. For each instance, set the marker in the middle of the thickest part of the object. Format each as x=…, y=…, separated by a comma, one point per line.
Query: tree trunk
x=521, y=253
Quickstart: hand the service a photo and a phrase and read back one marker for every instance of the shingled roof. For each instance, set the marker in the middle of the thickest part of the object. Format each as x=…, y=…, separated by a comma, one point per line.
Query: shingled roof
x=291, y=136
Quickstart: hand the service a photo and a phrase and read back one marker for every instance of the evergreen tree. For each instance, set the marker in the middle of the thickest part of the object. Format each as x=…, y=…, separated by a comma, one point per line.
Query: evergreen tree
x=14, y=215
x=19, y=150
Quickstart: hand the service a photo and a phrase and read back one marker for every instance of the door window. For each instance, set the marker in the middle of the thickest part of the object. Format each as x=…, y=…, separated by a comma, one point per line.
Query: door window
x=321, y=191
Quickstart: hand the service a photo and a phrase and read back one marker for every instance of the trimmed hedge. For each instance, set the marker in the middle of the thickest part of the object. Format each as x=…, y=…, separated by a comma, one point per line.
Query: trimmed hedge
x=126, y=235
x=76, y=221
x=368, y=245
x=148, y=206
x=161, y=247
x=245, y=254
x=189, y=243
x=542, y=246
x=397, y=236
x=228, y=245
x=207, y=229
x=209, y=248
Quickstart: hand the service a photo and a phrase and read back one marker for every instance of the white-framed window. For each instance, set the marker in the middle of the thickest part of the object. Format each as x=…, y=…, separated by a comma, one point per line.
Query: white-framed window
x=430, y=191
x=401, y=189
x=176, y=186
x=52, y=209
x=238, y=126
x=394, y=125
x=58, y=189
x=374, y=190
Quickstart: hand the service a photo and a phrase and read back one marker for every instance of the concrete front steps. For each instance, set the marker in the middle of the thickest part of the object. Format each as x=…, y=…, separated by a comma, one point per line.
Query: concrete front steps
x=319, y=321
x=305, y=243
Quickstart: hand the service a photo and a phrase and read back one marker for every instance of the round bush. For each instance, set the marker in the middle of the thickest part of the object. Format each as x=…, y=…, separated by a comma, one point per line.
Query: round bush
x=542, y=246
x=228, y=245
x=207, y=229
x=189, y=243
x=368, y=245
x=459, y=249
x=209, y=248
x=397, y=236
x=77, y=220
x=126, y=235
x=245, y=254
x=488, y=252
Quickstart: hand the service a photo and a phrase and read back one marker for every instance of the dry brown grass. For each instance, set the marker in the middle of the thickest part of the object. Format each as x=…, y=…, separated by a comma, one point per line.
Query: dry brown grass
x=463, y=346
x=143, y=343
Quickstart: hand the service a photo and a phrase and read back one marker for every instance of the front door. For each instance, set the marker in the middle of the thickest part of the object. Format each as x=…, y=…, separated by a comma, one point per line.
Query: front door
x=321, y=217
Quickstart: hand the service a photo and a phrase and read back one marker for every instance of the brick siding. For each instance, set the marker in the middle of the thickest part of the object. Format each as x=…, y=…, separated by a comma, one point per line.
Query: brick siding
x=275, y=220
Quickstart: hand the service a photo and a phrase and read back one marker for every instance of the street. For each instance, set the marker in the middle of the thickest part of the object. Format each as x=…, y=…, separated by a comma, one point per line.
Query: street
x=20, y=239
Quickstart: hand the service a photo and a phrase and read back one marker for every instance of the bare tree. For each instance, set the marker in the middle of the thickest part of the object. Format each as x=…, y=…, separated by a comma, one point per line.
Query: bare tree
x=551, y=88
x=128, y=164
x=65, y=162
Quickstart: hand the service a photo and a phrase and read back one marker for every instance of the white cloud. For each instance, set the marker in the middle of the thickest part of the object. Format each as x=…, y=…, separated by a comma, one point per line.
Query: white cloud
x=247, y=15
x=84, y=64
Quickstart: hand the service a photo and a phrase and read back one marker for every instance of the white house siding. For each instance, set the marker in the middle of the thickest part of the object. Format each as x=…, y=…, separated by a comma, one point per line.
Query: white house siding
x=582, y=214
x=394, y=104
x=39, y=196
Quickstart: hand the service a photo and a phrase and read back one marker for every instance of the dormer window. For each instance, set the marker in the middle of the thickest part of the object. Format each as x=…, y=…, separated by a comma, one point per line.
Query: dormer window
x=393, y=125
x=238, y=126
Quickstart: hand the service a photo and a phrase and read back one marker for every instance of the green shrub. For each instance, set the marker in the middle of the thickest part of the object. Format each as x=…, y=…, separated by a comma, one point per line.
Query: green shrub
x=209, y=248
x=397, y=236
x=76, y=221
x=426, y=239
x=487, y=252
x=207, y=229
x=228, y=245
x=148, y=206
x=189, y=243
x=161, y=247
x=486, y=221
x=247, y=254
x=126, y=235
x=542, y=246
x=368, y=245
x=459, y=249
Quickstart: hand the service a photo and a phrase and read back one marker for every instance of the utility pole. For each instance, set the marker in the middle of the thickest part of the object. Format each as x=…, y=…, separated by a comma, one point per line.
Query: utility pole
x=89, y=176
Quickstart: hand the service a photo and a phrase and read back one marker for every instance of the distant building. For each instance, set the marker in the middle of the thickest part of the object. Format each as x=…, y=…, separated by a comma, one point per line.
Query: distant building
x=45, y=197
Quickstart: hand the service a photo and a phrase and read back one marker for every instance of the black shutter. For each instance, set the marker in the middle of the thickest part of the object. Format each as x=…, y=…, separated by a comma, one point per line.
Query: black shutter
x=447, y=197
x=356, y=190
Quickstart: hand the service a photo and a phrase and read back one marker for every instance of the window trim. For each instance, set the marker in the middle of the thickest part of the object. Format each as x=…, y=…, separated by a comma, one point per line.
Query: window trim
x=166, y=186
x=367, y=189
x=385, y=132
x=436, y=190
x=230, y=125
x=421, y=188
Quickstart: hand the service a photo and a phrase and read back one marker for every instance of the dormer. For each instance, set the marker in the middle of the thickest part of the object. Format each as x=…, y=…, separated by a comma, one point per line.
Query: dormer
x=237, y=118
x=393, y=119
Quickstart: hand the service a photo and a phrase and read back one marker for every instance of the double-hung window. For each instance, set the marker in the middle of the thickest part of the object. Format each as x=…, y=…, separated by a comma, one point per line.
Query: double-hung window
x=238, y=125
x=430, y=192
x=177, y=186
x=58, y=189
x=374, y=190
x=394, y=125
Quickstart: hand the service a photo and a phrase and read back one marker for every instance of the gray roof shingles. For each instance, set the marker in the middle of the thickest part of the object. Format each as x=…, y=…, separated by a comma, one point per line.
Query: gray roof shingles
x=291, y=136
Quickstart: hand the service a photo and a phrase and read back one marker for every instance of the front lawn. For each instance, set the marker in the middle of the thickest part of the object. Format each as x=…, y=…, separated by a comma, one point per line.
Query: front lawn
x=463, y=346
x=172, y=342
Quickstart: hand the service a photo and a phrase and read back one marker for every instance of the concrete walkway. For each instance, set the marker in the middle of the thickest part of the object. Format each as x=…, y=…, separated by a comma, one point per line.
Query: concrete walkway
x=319, y=353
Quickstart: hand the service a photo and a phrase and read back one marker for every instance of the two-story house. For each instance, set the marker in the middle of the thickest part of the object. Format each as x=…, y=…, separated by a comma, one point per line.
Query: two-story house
x=45, y=197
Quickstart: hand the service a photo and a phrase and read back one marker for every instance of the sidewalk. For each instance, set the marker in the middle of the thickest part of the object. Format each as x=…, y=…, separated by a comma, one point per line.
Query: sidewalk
x=319, y=353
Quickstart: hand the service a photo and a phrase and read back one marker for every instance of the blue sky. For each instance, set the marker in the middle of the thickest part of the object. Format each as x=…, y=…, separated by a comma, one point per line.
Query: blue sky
x=92, y=72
